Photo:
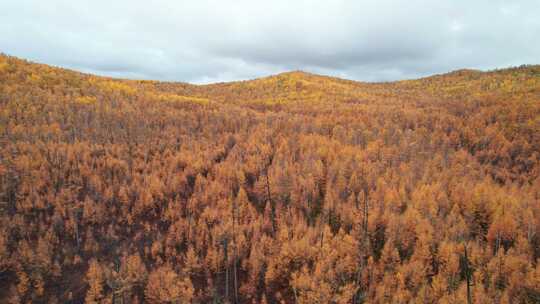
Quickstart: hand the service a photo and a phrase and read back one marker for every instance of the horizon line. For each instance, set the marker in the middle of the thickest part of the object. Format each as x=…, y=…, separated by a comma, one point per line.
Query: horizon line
x=298, y=71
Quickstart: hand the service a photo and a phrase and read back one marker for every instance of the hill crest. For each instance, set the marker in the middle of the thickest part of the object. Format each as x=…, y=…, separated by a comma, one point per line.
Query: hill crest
x=295, y=74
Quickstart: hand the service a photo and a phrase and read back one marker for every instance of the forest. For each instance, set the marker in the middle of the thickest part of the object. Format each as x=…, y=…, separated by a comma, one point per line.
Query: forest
x=293, y=188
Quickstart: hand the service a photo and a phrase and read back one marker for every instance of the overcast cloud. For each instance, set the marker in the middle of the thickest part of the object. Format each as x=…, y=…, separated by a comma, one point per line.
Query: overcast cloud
x=204, y=41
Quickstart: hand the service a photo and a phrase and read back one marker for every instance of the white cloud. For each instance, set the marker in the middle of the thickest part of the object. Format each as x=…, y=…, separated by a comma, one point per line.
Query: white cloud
x=206, y=41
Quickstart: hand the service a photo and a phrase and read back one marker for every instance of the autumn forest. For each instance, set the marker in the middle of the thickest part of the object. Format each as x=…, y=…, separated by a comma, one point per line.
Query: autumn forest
x=294, y=188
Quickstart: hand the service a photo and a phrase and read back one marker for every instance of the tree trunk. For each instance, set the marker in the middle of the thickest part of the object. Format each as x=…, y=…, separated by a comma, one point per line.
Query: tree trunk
x=468, y=275
x=235, y=253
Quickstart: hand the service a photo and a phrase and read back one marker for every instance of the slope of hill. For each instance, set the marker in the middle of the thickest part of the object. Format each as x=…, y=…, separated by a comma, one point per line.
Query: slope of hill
x=294, y=188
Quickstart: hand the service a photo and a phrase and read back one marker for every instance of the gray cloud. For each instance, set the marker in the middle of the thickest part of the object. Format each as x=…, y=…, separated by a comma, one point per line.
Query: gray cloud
x=206, y=41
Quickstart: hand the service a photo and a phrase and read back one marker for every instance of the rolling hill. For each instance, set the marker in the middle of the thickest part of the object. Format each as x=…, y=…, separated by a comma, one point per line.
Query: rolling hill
x=293, y=188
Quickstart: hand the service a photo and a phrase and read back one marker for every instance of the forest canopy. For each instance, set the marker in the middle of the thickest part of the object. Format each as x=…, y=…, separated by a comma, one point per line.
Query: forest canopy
x=294, y=188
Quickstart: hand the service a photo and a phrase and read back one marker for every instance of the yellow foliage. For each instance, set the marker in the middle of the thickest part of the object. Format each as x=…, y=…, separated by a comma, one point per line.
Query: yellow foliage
x=85, y=100
x=3, y=65
x=112, y=86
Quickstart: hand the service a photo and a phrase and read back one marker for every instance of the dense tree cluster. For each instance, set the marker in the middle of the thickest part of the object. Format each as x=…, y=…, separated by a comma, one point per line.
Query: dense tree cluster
x=295, y=188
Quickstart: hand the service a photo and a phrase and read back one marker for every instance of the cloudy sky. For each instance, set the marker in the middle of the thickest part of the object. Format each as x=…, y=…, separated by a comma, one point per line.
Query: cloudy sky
x=203, y=41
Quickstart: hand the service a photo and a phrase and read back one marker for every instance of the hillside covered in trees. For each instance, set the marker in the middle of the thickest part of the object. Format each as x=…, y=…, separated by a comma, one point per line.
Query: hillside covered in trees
x=294, y=188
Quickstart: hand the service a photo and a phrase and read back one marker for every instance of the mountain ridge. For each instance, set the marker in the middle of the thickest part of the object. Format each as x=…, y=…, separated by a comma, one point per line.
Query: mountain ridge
x=292, y=73
x=289, y=87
